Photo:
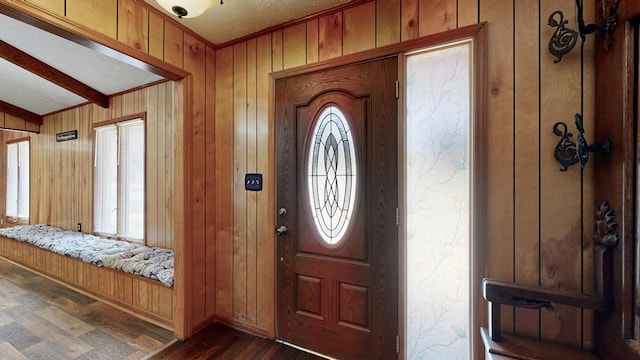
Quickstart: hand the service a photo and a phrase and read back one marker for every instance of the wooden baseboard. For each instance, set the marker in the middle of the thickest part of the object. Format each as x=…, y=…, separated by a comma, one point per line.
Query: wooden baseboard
x=244, y=327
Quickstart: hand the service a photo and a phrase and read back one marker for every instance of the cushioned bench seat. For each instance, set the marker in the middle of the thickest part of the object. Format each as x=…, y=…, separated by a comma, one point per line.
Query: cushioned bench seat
x=153, y=263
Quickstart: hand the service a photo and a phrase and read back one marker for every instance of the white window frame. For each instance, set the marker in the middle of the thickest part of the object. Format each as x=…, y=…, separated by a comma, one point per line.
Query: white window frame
x=122, y=212
x=19, y=213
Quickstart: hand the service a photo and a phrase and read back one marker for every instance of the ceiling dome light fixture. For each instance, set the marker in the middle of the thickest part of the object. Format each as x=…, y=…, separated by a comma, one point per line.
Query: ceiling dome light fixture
x=186, y=8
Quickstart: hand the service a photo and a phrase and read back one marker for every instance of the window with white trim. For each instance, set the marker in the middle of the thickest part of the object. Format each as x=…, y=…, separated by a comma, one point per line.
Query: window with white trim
x=17, y=196
x=119, y=180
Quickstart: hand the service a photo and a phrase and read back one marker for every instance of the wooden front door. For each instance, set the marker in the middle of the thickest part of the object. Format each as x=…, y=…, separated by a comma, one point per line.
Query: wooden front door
x=337, y=195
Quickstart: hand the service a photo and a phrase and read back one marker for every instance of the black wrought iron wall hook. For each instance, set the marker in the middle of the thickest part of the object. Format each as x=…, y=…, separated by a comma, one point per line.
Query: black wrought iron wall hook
x=568, y=152
x=564, y=39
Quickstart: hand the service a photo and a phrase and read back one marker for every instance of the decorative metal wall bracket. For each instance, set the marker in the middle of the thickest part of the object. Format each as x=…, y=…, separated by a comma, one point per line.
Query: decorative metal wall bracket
x=605, y=228
x=564, y=39
x=568, y=152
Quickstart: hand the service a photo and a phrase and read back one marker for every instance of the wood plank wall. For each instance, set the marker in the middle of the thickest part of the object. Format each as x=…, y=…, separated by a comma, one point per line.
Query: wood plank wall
x=539, y=219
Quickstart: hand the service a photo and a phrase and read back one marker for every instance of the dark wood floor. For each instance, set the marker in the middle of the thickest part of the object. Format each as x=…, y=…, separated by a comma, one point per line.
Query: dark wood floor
x=221, y=342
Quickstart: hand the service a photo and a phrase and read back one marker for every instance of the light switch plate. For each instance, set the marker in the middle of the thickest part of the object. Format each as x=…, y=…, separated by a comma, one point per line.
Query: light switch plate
x=253, y=182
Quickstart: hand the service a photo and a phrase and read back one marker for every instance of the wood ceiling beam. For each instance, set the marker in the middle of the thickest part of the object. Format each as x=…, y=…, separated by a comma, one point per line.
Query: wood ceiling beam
x=45, y=71
x=20, y=113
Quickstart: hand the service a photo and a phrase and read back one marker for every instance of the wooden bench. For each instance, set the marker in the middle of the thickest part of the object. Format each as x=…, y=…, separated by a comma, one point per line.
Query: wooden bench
x=497, y=293
x=139, y=296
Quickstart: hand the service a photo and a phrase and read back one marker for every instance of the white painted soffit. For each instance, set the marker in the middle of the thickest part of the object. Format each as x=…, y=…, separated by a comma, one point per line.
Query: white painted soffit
x=96, y=70
x=25, y=90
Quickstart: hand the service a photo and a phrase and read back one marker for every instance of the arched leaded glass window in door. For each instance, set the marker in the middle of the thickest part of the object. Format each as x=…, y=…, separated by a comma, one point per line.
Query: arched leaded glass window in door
x=332, y=174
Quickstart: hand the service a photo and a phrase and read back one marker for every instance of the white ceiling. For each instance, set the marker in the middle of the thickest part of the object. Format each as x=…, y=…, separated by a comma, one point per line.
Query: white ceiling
x=237, y=18
x=219, y=24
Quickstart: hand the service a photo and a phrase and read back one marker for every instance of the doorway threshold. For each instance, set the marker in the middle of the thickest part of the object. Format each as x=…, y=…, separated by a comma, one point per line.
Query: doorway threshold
x=305, y=349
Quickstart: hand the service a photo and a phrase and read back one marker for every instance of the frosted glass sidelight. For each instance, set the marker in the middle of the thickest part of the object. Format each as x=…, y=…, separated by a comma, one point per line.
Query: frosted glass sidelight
x=332, y=175
x=437, y=177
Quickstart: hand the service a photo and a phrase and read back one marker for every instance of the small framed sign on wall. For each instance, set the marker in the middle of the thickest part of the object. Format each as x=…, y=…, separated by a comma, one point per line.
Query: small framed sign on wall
x=67, y=135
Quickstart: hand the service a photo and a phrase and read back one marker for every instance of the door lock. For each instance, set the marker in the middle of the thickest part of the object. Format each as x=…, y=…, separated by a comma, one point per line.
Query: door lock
x=281, y=230
x=282, y=212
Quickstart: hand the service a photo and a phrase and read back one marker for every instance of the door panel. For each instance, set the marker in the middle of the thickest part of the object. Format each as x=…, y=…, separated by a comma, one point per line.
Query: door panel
x=336, y=143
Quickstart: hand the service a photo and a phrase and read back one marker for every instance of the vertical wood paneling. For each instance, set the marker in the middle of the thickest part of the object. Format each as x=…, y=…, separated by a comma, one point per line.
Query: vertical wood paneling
x=294, y=40
x=239, y=169
x=468, y=12
x=152, y=207
x=194, y=62
x=4, y=137
x=210, y=182
x=57, y=195
x=133, y=25
x=437, y=16
x=156, y=36
x=180, y=232
x=527, y=148
x=358, y=30
x=99, y=15
x=588, y=201
x=387, y=23
x=84, y=160
x=224, y=143
x=252, y=167
x=278, y=49
x=173, y=44
x=312, y=41
x=330, y=36
x=499, y=169
x=101, y=114
x=115, y=109
x=163, y=156
x=561, y=242
x=169, y=164
x=409, y=15
x=265, y=296
x=68, y=150
x=164, y=307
